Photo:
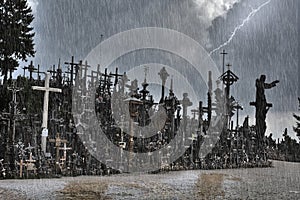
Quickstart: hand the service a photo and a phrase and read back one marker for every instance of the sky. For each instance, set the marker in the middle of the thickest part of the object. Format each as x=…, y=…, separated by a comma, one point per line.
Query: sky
x=260, y=36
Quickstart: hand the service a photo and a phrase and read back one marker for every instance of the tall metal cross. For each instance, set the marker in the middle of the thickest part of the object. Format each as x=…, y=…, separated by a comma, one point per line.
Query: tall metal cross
x=223, y=53
x=46, y=89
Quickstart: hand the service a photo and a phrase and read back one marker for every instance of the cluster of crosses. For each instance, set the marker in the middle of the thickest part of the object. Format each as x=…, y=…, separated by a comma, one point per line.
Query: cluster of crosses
x=58, y=149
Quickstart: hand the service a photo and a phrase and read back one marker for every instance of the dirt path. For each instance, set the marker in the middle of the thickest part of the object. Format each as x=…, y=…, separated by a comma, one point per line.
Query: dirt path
x=280, y=182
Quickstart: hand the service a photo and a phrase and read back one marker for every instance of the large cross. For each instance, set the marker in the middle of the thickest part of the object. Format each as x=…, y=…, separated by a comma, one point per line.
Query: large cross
x=47, y=89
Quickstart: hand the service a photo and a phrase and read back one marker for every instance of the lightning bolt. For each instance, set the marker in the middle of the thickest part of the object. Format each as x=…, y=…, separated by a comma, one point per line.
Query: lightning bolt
x=251, y=14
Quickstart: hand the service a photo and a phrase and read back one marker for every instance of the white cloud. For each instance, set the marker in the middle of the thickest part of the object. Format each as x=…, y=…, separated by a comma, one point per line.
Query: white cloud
x=210, y=9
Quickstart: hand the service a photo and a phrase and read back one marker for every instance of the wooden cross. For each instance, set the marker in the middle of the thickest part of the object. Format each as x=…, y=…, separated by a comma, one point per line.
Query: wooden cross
x=57, y=142
x=72, y=65
x=116, y=75
x=93, y=76
x=38, y=72
x=106, y=80
x=30, y=163
x=47, y=89
x=53, y=71
x=31, y=70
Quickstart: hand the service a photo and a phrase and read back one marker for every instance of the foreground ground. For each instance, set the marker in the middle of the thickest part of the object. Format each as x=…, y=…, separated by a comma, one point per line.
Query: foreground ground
x=280, y=182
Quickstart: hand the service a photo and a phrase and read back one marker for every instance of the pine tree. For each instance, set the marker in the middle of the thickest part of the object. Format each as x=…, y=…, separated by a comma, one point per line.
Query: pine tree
x=16, y=36
x=297, y=127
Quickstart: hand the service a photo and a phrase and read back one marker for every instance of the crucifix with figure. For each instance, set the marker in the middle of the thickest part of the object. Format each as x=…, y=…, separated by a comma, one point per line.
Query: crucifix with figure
x=46, y=89
x=262, y=107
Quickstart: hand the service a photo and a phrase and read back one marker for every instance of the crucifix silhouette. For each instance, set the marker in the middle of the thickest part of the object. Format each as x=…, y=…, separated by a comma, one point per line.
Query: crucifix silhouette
x=261, y=105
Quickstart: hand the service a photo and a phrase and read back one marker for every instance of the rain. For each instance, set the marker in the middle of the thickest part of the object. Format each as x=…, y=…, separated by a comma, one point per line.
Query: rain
x=189, y=72
x=266, y=43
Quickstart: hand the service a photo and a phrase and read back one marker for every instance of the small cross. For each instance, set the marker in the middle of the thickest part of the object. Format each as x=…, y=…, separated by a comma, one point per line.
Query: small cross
x=38, y=72
x=53, y=71
x=228, y=66
x=116, y=75
x=72, y=65
x=31, y=69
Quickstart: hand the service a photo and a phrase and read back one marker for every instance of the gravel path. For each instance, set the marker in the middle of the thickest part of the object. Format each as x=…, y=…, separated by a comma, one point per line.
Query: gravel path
x=280, y=182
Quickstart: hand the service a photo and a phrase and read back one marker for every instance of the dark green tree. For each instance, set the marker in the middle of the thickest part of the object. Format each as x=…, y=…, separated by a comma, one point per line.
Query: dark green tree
x=297, y=127
x=16, y=34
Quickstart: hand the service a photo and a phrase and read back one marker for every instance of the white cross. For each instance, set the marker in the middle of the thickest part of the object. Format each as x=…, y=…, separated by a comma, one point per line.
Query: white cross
x=47, y=89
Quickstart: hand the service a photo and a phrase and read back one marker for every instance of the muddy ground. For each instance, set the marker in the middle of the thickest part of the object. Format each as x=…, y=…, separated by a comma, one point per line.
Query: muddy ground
x=280, y=182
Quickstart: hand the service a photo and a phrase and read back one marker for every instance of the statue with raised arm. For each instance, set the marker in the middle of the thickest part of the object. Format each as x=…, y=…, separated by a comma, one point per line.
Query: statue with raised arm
x=262, y=107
